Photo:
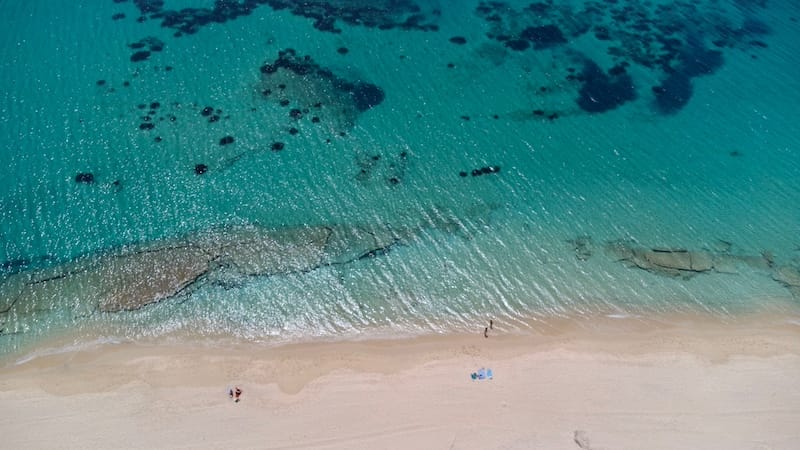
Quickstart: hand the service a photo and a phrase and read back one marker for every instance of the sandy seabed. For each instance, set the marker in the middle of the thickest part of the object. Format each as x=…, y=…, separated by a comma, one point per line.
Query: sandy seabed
x=686, y=383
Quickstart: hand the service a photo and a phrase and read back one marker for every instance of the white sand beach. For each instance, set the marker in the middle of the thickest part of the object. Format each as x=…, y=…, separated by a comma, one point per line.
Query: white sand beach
x=693, y=384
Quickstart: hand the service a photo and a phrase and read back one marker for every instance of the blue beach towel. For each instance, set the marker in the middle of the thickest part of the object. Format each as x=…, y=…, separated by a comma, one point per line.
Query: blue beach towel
x=482, y=374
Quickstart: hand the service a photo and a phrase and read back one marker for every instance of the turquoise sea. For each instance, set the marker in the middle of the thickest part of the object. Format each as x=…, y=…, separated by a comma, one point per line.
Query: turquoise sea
x=281, y=171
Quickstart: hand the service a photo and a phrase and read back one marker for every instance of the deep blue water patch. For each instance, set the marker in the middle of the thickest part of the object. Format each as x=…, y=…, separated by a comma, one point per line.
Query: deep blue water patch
x=676, y=89
x=601, y=92
x=677, y=41
x=517, y=44
x=544, y=36
x=379, y=14
x=673, y=93
x=365, y=95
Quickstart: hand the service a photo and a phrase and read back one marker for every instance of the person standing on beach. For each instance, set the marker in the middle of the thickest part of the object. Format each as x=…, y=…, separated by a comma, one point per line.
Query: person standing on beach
x=486, y=332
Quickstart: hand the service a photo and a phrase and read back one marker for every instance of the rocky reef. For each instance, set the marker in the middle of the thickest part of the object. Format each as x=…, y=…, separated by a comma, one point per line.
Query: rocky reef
x=789, y=276
x=139, y=275
x=663, y=261
x=686, y=263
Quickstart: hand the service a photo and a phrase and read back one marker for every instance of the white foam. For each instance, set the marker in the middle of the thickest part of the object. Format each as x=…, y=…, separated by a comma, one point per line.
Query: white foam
x=68, y=348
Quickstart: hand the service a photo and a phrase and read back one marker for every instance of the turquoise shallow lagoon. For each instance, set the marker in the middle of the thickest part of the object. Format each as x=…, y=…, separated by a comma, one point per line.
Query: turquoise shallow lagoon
x=278, y=171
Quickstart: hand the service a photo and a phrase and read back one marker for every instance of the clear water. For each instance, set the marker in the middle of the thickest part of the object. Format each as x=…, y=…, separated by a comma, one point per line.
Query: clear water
x=713, y=167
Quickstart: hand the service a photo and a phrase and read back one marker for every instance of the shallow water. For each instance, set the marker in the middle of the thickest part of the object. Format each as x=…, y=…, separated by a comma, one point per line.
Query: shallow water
x=620, y=129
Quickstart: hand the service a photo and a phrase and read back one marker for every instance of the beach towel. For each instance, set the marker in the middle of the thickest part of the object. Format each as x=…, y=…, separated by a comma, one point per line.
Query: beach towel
x=482, y=374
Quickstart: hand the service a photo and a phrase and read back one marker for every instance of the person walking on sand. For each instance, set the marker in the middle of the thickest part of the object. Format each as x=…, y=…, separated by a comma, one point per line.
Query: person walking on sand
x=486, y=332
x=237, y=393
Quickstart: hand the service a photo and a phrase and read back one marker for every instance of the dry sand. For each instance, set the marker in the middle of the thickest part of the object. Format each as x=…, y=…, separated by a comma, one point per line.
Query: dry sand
x=639, y=385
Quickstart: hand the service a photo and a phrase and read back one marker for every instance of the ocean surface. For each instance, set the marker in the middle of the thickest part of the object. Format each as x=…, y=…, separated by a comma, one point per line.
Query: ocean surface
x=280, y=171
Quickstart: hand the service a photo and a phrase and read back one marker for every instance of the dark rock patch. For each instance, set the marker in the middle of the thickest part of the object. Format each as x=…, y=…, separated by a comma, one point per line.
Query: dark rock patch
x=673, y=93
x=583, y=247
x=366, y=95
x=145, y=47
x=660, y=37
x=342, y=50
x=380, y=14
x=518, y=44
x=544, y=36
x=291, y=74
x=118, y=16
x=277, y=146
x=618, y=69
x=141, y=55
x=459, y=40
x=200, y=169
x=482, y=171
x=84, y=177
x=146, y=126
x=227, y=140
x=601, y=92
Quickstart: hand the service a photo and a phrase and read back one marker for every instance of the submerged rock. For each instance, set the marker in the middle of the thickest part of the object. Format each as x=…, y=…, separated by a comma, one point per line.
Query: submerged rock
x=142, y=275
x=672, y=262
x=135, y=280
x=84, y=177
x=788, y=275
x=582, y=246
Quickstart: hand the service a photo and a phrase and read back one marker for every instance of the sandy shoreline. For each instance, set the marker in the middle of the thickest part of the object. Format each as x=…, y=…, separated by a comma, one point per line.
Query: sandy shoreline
x=691, y=384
